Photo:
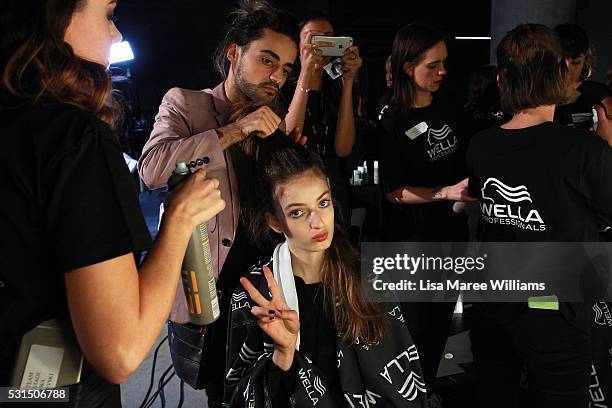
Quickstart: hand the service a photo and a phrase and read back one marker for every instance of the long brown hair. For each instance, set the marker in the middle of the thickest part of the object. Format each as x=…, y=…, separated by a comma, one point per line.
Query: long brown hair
x=409, y=45
x=279, y=159
x=41, y=65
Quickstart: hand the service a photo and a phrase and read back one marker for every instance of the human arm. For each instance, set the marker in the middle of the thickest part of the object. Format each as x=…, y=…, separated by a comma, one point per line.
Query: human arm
x=419, y=195
x=174, y=139
x=396, y=174
x=345, y=126
x=118, y=310
x=275, y=319
x=249, y=352
x=311, y=60
x=604, y=122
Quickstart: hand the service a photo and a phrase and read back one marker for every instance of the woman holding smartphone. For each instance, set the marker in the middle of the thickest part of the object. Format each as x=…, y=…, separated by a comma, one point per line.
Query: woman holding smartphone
x=324, y=108
x=69, y=210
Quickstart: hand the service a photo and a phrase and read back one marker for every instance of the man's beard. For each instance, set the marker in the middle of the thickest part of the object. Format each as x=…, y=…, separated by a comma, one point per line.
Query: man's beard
x=253, y=92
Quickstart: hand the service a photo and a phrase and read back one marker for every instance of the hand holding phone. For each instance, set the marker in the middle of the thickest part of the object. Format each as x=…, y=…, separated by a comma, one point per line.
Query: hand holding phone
x=333, y=46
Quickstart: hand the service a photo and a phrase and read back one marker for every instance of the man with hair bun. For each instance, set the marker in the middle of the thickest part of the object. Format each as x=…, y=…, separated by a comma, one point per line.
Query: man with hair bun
x=254, y=59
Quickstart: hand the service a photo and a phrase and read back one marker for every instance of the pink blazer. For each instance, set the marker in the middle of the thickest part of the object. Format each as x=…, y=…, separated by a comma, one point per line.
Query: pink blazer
x=184, y=131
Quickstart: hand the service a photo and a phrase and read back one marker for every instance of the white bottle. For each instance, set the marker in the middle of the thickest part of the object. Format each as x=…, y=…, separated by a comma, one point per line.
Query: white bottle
x=366, y=175
x=355, y=178
x=375, y=175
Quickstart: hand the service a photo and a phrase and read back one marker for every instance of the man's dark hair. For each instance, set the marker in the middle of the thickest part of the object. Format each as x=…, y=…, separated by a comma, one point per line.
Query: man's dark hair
x=247, y=23
x=574, y=40
x=531, y=68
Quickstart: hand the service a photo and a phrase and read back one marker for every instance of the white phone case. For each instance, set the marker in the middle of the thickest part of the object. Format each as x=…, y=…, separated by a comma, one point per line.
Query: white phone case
x=336, y=50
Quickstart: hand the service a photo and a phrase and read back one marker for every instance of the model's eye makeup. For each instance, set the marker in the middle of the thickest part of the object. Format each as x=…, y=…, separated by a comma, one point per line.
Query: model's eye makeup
x=296, y=213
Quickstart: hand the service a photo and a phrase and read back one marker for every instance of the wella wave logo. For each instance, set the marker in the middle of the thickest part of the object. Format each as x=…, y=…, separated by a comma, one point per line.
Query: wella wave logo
x=441, y=142
x=603, y=315
x=506, y=205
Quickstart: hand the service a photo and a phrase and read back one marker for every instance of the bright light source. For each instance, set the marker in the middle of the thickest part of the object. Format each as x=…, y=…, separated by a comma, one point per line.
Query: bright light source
x=472, y=38
x=121, y=52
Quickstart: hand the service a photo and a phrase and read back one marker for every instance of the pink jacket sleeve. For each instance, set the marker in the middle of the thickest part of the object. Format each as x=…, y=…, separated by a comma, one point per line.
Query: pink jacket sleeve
x=174, y=139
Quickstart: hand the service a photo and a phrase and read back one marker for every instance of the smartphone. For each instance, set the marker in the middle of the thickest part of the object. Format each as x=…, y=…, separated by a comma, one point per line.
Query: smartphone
x=336, y=47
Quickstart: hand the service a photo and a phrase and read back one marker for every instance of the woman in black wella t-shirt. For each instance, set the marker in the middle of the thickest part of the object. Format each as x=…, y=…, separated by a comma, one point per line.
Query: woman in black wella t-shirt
x=562, y=176
x=422, y=161
x=423, y=172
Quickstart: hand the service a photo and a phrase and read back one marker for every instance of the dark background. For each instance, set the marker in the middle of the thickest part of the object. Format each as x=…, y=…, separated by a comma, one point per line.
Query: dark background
x=173, y=41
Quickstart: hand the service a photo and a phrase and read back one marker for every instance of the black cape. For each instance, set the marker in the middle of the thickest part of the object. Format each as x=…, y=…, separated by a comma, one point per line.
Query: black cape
x=387, y=374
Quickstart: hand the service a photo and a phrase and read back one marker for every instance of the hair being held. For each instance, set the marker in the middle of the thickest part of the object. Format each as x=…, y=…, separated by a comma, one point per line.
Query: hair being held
x=279, y=159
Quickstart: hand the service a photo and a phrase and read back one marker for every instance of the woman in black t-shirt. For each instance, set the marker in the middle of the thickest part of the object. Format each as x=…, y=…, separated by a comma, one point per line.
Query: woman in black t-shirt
x=422, y=147
x=69, y=211
x=301, y=332
x=422, y=170
x=577, y=110
x=562, y=177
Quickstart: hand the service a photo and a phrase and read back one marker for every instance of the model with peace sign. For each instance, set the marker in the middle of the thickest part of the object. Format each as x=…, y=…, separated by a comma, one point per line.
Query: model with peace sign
x=301, y=329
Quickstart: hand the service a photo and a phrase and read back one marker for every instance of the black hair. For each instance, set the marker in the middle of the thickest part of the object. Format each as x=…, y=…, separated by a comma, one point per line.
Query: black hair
x=313, y=15
x=573, y=39
x=482, y=100
x=248, y=22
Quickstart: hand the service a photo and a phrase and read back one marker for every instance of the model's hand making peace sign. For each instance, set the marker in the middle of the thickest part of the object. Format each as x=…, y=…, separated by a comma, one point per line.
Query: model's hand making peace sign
x=276, y=320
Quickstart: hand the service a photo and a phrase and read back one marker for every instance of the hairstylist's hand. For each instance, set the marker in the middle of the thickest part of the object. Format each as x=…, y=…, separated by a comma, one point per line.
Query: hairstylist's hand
x=604, y=117
x=457, y=192
x=195, y=201
x=276, y=320
x=351, y=62
x=263, y=122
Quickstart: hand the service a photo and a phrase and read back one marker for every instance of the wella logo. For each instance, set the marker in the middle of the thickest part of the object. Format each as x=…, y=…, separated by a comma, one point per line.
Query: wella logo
x=506, y=205
x=603, y=315
x=441, y=142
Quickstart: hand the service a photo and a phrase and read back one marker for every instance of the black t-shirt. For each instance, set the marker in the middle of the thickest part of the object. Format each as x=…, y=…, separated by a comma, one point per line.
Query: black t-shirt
x=423, y=147
x=595, y=90
x=542, y=183
x=578, y=114
x=68, y=201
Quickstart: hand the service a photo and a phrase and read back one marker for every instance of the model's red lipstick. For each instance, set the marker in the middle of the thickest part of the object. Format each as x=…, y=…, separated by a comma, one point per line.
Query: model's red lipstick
x=320, y=237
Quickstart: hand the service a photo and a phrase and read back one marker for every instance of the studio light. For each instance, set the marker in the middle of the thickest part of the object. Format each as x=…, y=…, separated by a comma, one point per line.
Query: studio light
x=472, y=38
x=121, y=52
